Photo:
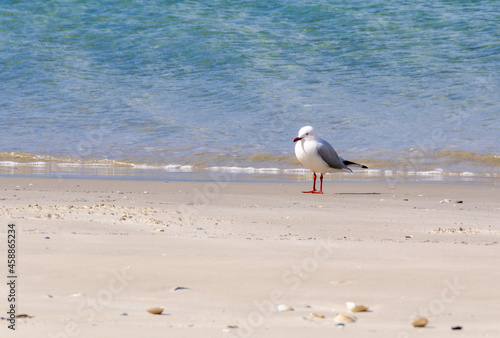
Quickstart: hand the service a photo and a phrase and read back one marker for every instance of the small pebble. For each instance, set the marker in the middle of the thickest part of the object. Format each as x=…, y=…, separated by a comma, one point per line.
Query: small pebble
x=24, y=316
x=180, y=288
x=456, y=328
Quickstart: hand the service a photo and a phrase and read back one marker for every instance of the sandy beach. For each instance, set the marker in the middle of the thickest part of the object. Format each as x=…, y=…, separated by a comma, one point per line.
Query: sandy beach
x=93, y=255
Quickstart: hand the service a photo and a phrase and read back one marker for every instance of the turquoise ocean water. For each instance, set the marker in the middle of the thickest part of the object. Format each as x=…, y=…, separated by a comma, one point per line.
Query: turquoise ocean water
x=146, y=87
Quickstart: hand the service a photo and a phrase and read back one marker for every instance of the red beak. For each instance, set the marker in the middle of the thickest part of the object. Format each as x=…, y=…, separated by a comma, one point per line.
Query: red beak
x=297, y=139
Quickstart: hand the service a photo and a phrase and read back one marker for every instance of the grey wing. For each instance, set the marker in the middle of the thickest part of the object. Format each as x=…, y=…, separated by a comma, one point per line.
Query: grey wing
x=330, y=156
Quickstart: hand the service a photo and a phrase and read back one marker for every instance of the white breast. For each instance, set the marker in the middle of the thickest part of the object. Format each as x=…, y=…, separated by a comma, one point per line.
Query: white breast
x=307, y=154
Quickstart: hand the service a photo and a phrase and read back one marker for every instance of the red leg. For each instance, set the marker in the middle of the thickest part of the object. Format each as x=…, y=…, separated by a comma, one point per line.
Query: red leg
x=314, y=185
x=314, y=191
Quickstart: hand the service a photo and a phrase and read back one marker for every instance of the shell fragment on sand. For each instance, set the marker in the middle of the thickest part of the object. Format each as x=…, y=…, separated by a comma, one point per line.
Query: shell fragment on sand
x=420, y=322
x=156, y=310
x=283, y=307
x=344, y=319
x=316, y=315
x=353, y=307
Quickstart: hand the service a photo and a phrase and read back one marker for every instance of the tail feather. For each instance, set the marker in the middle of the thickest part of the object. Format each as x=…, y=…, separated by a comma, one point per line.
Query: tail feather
x=354, y=163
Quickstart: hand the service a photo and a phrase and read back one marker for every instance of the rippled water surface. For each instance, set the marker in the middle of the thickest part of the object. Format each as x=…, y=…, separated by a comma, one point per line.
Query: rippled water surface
x=399, y=85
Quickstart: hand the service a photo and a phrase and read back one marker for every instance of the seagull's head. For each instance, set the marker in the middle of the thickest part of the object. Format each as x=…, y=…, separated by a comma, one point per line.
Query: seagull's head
x=306, y=133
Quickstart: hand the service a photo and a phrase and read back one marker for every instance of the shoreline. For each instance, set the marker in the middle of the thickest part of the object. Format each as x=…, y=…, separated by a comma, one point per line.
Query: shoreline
x=404, y=169
x=264, y=176
x=94, y=255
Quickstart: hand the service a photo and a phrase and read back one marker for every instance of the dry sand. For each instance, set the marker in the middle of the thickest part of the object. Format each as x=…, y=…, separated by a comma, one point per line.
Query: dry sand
x=94, y=255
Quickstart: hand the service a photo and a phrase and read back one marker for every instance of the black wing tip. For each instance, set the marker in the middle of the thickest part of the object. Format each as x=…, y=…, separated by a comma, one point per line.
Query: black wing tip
x=354, y=163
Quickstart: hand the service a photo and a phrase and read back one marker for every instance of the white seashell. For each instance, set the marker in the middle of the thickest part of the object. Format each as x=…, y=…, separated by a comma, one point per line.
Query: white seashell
x=283, y=307
x=156, y=310
x=344, y=319
x=353, y=307
x=420, y=322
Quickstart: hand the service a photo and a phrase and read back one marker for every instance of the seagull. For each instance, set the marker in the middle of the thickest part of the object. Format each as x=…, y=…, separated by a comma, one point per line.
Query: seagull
x=318, y=155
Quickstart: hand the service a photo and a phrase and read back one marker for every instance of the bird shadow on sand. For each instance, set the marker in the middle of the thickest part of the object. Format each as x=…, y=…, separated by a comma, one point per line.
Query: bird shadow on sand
x=358, y=193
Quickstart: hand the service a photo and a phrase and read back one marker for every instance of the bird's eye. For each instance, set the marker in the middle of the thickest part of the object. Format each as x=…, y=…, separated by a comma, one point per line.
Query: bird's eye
x=307, y=133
